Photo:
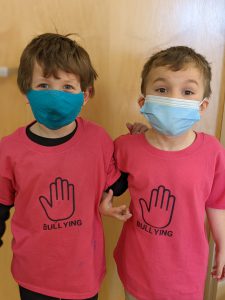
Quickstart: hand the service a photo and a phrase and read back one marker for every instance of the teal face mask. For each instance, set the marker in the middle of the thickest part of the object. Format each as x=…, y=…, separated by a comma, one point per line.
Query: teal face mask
x=53, y=108
x=171, y=116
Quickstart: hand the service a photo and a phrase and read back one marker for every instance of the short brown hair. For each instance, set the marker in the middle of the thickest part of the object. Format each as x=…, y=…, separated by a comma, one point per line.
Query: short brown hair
x=53, y=51
x=176, y=58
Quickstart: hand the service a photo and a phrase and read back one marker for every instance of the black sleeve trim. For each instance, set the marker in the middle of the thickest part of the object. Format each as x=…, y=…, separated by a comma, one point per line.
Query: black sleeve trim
x=4, y=215
x=120, y=186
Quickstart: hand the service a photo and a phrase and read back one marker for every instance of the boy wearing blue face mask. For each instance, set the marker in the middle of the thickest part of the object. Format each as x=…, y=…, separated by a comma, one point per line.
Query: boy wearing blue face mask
x=54, y=172
x=175, y=175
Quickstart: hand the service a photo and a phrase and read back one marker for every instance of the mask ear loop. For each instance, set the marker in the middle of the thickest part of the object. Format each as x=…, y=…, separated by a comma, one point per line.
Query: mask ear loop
x=202, y=102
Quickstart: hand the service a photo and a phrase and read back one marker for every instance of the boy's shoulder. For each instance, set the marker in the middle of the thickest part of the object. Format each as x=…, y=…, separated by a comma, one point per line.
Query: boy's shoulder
x=93, y=133
x=12, y=143
x=212, y=149
x=129, y=139
x=211, y=142
x=91, y=127
x=12, y=137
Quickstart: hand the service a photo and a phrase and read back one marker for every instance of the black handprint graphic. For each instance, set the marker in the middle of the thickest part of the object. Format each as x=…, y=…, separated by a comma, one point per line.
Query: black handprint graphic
x=159, y=211
x=61, y=203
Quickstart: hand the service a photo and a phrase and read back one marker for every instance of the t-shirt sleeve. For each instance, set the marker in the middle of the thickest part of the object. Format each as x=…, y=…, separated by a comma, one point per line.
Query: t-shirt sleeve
x=112, y=172
x=217, y=195
x=120, y=186
x=7, y=192
x=120, y=154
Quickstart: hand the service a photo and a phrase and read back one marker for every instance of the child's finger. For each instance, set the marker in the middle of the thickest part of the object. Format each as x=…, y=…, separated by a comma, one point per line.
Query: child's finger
x=128, y=211
x=143, y=129
x=136, y=128
x=223, y=274
x=222, y=277
x=127, y=217
x=107, y=198
x=123, y=218
x=218, y=271
x=129, y=126
x=122, y=213
x=120, y=209
x=109, y=195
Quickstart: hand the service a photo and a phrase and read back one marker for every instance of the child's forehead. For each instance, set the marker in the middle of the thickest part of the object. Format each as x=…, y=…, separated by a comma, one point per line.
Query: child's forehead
x=166, y=73
x=40, y=70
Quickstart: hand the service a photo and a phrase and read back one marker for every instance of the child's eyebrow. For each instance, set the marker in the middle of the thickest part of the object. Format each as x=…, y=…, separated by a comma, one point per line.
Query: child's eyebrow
x=187, y=81
x=69, y=80
x=192, y=81
x=159, y=79
x=38, y=78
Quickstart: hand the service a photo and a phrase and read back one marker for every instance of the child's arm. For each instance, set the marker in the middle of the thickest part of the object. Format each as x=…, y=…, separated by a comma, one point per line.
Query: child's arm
x=4, y=215
x=106, y=208
x=216, y=219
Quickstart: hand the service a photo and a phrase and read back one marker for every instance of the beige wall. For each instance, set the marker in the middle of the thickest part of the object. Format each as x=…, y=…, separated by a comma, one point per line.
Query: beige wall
x=119, y=35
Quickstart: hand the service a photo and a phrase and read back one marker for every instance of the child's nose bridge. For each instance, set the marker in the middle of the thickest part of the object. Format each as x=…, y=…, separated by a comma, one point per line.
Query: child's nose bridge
x=175, y=93
x=55, y=85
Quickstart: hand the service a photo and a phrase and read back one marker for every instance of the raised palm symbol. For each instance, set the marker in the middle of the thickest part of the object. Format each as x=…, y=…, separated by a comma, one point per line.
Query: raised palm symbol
x=61, y=203
x=158, y=212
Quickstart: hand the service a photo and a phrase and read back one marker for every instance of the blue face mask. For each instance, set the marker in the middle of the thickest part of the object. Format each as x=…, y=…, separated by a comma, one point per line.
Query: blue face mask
x=53, y=108
x=171, y=116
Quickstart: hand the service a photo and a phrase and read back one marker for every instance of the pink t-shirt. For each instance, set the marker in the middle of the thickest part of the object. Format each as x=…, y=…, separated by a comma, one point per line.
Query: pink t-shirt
x=58, y=242
x=162, y=252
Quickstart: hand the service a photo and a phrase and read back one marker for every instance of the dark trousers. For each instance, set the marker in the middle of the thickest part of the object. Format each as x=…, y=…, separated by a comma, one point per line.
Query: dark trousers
x=29, y=295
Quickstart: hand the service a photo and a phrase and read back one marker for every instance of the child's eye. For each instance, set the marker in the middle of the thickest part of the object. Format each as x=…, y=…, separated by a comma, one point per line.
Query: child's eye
x=188, y=92
x=43, y=86
x=161, y=90
x=68, y=87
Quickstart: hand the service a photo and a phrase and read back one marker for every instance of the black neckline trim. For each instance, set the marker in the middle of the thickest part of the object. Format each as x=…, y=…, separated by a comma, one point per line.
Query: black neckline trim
x=49, y=142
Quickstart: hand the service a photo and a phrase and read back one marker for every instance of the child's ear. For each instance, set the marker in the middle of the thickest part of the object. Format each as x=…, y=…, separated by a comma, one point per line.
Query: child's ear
x=141, y=100
x=204, y=105
x=87, y=95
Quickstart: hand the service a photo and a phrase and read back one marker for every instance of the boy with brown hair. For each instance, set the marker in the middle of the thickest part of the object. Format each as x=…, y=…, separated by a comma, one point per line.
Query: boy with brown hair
x=175, y=176
x=54, y=172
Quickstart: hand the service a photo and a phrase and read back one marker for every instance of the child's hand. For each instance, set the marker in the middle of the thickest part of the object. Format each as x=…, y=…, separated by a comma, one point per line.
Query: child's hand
x=106, y=208
x=218, y=271
x=136, y=128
